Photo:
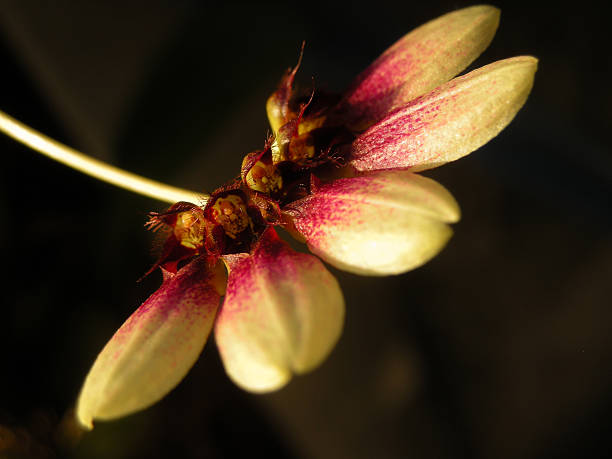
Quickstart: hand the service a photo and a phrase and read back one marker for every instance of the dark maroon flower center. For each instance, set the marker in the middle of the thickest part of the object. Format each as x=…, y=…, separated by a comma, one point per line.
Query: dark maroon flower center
x=309, y=146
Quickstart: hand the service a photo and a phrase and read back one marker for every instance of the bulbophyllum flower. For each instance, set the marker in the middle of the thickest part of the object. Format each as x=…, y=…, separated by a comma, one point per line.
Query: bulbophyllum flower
x=338, y=174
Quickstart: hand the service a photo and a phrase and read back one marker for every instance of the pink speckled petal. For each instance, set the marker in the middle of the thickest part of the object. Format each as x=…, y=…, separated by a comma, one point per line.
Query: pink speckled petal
x=377, y=224
x=154, y=349
x=449, y=122
x=423, y=59
x=283, y=314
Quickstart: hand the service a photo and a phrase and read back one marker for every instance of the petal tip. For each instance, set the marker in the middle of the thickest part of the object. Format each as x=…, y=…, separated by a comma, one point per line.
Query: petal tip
x=260, y=387
x=486, y=9
x=486, y=17
x=453, y=212
x=532, y=60
x=491, y=16
x=83, y=417
x=490, y=12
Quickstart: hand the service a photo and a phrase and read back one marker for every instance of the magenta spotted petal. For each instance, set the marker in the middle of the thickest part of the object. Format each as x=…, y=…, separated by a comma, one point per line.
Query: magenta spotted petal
x=426, y=57
x=155, y=348
x=283, y=313
x=376, y=224
x=449, y=122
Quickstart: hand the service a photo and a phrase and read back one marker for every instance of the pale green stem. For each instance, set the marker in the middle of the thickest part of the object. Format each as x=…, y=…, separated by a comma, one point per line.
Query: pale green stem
x=93, y=167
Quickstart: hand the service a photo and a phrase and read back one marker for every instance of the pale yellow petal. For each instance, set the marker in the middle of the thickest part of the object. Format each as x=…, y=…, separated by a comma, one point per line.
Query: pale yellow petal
x=420, y=61
x=154, y=349
x=283, y=313
x=376, y=224
x=449, y=122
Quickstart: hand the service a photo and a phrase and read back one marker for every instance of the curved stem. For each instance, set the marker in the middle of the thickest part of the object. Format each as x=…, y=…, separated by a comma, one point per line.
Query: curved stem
x=93, y=167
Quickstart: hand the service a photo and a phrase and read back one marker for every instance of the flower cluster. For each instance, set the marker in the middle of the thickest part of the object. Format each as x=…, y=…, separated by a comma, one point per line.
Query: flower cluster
x=338, y=173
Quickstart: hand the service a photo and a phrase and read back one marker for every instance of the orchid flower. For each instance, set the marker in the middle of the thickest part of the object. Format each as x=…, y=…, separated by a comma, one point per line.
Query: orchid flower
x=338, y=173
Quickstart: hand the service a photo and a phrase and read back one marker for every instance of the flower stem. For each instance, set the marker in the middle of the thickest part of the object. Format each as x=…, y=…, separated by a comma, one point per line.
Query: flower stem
x=93, y=167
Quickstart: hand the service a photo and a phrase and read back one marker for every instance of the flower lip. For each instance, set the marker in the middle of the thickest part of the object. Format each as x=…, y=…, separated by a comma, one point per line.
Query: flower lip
x=186, y=234
x=260, y=174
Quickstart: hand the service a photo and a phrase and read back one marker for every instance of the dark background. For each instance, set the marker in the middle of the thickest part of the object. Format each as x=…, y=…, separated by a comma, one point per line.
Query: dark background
x=498, y=348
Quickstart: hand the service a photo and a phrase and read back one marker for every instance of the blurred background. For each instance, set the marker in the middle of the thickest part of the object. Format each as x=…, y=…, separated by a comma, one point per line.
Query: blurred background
x=498, y=348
